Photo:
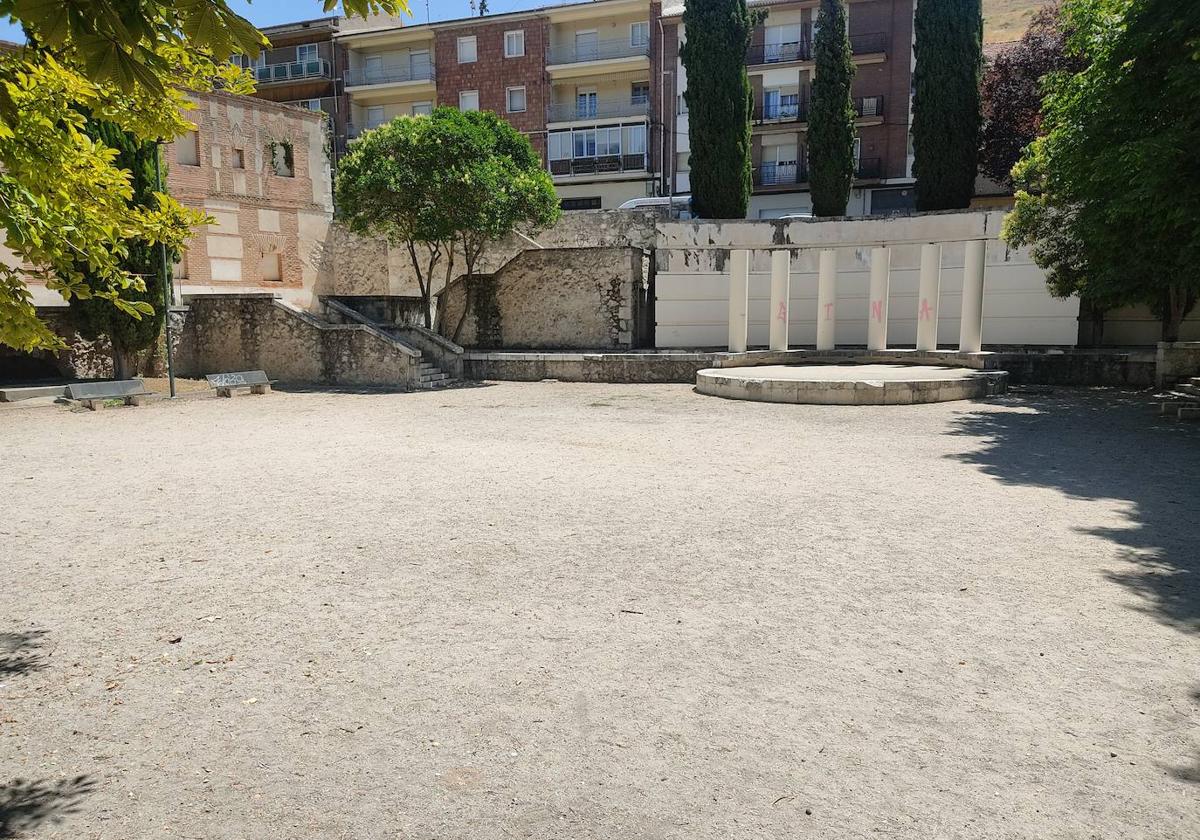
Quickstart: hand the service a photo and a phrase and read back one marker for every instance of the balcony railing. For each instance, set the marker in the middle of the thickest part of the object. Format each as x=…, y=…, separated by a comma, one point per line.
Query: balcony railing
x=594, y=51
x=869, y=106
x=605, y=165
x=776, y=53
x=874, y=42
x=802, y=50
x=313, y=68
x=601, y=109
x=778, y=113
x=779, y=174
x=869, y=169
x=389, y=75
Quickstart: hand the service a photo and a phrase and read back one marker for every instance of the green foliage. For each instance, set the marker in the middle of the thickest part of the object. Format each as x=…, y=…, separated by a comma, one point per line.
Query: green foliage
x=442, y=185
x=65, y=205
x=1111, y=177
x=946, y=102
x=831, y=114
x=719, y=105
x=96, y=316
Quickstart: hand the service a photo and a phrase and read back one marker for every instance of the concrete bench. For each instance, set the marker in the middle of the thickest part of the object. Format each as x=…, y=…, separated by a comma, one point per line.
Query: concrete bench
x=93, y=395
x=254, y=380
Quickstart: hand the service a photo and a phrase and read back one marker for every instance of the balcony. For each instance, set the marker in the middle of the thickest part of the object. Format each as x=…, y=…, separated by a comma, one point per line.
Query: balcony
x=869, y=107
x=779, y=174
x=293, y=71
x=598, y=110
x=607, y=165
x=770, y=114
x=802, y=50
x=869, y=169
x=389, y=75
x=580, y=52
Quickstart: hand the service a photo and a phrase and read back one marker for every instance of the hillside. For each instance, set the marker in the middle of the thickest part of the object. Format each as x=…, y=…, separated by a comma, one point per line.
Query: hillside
x=1005, y=20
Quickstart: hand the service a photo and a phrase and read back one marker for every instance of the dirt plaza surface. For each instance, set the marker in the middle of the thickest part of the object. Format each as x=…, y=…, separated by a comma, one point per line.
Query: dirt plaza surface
x=554, y=610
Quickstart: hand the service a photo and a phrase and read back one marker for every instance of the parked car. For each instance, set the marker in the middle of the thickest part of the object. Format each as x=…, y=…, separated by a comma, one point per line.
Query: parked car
x=679, y=206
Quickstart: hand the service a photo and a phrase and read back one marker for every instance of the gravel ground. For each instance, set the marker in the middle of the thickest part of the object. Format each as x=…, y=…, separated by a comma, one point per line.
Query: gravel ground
x=599, y=611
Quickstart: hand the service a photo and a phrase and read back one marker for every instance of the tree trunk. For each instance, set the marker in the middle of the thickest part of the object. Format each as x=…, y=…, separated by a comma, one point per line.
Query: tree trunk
x=124, y=360
x=1174, y=311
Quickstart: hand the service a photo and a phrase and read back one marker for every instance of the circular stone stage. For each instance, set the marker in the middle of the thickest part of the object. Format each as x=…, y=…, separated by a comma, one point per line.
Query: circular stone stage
x=850, y=384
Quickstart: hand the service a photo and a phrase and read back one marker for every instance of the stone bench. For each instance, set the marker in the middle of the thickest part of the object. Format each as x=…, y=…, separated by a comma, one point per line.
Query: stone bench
x=254, y=380
x=93, y=395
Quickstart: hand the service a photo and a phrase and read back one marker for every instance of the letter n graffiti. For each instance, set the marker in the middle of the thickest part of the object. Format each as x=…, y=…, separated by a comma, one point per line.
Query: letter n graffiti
x=877, y=311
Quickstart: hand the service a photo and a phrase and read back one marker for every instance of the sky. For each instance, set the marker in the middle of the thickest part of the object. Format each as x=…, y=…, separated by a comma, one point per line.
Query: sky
x=268, y=12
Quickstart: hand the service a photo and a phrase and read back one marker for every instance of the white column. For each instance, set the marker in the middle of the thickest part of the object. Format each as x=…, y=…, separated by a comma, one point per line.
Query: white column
x=780, y=281
x=927, y=296
x=739, y=291
x=877, y=300
x=827, y=299
x=970, y=331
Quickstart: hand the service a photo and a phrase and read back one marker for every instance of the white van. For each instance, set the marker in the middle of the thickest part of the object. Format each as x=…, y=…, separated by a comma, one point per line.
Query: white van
x=680, y=206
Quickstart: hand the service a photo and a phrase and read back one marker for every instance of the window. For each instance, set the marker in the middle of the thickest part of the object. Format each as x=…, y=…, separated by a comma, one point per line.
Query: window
x=589, y=203
x=422, y=109
x=681, y=105
x=608, y=141
x=782, y=43
x=639, y=34
x=239, y=158
x=306, y=52
x=770, y=104
x=310, y=104
x=468, y=100
x=514, y=43
x=187, y=149
x=375, y=116
x=639, y=93
x=515, y=99
x=281, y=160
x=373, y=68
x=466, y=49
x=180, y=269
x=585, y=143
x=560, y=145
x=271, y=267
x=633, y=139
x=585, y=103
x=587, y=45
x=418, y=64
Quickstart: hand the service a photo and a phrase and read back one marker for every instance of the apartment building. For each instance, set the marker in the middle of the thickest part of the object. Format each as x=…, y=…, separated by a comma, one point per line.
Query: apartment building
x=780, y=65
x=576, y=79
x=598, y=89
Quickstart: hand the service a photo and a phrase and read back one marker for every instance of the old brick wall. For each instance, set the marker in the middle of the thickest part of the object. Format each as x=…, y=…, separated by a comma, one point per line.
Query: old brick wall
x=559, y=298
x=891, y=79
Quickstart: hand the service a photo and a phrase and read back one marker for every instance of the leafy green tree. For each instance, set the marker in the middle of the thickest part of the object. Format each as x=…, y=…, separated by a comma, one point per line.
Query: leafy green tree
x=97, y=316
x=1117, y=155
x=719, y=105
x=65, y=205
x=444, y=185
x=831, y=114
x=946, y=103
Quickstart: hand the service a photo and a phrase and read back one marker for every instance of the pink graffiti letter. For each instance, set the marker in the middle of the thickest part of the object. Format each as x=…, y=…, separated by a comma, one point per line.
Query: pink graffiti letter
x=926, y=311
x=782, y=316
x=877, y=310
x=829, y=312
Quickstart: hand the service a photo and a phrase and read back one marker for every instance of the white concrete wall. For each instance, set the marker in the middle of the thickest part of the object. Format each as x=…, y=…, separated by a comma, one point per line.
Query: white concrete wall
x=692, y=283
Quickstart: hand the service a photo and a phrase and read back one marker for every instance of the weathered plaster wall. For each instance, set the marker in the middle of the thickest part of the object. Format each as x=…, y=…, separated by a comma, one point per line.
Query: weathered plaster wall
x=561, y=298
x=249, y=332
x=369, y=266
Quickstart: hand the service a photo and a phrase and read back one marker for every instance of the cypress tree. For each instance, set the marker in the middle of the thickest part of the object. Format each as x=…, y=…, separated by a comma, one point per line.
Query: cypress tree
x=831, y=114
x=718, y=101
x=94, y=317
x=946, y=102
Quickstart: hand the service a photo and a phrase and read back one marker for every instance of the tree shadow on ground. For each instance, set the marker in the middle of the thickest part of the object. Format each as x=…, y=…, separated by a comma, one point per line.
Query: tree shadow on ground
x=1102, y=444
x=19, y=654
x=24, y=805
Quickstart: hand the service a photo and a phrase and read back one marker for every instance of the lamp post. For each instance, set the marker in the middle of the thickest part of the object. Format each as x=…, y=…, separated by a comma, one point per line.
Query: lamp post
x=166, y=278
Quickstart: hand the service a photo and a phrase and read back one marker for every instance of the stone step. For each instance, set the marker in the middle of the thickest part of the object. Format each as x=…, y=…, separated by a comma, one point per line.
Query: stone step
x=433, y=377
x=427, y=366
x=436, y=383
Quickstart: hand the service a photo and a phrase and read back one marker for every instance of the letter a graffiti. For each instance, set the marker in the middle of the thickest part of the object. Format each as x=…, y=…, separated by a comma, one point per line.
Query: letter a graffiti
x=782, y=316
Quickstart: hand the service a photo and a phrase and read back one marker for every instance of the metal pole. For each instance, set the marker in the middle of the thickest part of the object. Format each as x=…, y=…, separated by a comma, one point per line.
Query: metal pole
x=166, y=279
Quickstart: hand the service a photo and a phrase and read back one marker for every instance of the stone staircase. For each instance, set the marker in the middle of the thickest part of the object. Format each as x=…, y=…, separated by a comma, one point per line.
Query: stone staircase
x=434, y=377
x=1183, y=400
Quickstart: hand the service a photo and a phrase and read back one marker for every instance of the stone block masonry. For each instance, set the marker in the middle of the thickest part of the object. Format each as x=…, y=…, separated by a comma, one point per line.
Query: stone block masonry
x=555, y=298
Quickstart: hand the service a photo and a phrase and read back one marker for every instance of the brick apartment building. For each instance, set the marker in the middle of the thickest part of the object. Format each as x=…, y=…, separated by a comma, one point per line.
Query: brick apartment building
x=597, y=87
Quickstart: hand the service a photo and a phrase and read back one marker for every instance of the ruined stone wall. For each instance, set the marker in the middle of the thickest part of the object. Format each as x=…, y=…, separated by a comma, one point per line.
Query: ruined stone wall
x=258, y=332
x=369, y=266
x=557, y=298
